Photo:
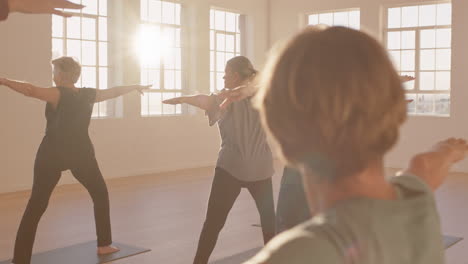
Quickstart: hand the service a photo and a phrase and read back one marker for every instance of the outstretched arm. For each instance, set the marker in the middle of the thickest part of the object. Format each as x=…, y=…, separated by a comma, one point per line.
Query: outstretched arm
x=50, y=95
x=103, y=95
x=434, y=165
x=42, y=6
x=201, y=101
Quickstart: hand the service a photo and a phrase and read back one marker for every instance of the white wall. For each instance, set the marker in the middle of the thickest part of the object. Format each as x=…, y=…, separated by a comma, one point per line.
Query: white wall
x=126, y=146
x=418, y=132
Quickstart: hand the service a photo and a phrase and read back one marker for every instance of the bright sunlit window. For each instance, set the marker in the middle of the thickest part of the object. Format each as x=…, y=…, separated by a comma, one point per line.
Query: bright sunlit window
x=84, y=36
x=160, y=53
x=225, y=43
x=419, y=41
x=347, y=18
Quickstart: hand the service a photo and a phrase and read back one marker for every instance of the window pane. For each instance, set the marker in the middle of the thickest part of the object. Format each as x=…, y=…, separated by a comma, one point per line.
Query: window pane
x=169, y=79
x=144, y=77
x=427, y=15
x=155, y=105
x=426, y=81
x=444, y=38
x=168, y=11
x=230, y=22
x=313, y=20
x=427, y=61
x=408, y=40
x=443, y=59
x=88, y=53
x=88, y=28
x=154, y=78
x=212, y=40
x=442, y=104
x=103, y=7
x=354, y=19
x=145, y=104
x=229, y=56
x=103, y=54
x=220, y=60
x=178, y=58
x=411, y=106
x=169, y=59
x=144, y=9
x=177, y=14
x=212, y=61
x=428, y=38
x=443, y=81
x=220, y=42
x=394, y=17
x=73, y=27
x=396, y=58
x=220, y=81
x=212, y=81
x=154, y=11
x=177, y=37
x=238, y=43
x=409, y=16
x=425, y=104
x=230, y=43
x=88, y=75
x=394, y=40
x=57, y=26
x=91, y=7
x=408, y=85
x=408, y=60
x=103, y=78
x=326, y=19
x=220, y=20
x=74, y=49
x=178, y=80
x=444, y=14
x=57, y=48
x=340, y=19
x=103, y=29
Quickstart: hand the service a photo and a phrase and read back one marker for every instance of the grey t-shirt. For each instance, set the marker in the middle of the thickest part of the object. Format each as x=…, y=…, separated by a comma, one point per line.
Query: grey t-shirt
x=366, y=231
x=244, y=153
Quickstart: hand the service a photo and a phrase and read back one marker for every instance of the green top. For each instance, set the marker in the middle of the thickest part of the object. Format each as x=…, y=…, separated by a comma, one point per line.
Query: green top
x=366, y=231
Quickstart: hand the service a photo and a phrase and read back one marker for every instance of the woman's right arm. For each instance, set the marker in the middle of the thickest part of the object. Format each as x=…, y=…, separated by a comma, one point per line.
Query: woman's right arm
x=201, y=101
x=434, y=165
x=50, y=95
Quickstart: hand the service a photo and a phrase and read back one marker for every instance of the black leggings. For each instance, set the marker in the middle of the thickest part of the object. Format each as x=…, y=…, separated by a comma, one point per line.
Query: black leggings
x=224, y=192
x=47, y=172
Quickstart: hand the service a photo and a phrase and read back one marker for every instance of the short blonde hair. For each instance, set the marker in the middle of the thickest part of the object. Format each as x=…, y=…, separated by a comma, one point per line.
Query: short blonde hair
x=68, y=67
x=332, y=100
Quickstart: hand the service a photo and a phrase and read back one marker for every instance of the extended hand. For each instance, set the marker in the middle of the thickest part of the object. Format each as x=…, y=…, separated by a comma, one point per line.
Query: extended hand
x=42, y=6
x=174, y=101
x=141, y=88
x=235, y=95
x=407, y=78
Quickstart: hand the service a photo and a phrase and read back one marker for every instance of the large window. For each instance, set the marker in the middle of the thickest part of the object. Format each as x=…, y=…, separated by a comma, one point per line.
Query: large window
x=419, y=41
x=161, y=56
x=225, y=43
x=348, y=18
x=84, y=36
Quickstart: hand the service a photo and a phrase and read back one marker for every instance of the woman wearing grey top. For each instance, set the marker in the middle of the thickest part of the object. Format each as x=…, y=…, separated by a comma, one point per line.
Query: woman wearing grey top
x=244, y=161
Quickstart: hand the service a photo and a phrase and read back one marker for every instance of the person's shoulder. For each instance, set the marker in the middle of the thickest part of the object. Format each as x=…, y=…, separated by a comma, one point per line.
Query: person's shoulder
x=298, y=245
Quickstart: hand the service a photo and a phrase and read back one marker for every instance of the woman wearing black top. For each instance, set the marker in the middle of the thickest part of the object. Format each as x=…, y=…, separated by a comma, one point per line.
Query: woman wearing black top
x=66, y=146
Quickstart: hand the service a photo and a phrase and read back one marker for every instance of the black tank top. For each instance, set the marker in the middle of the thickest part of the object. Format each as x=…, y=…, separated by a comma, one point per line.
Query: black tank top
x=67, y=125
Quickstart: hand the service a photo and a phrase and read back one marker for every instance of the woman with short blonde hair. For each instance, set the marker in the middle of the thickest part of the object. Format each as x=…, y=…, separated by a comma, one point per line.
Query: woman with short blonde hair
x=333, y=102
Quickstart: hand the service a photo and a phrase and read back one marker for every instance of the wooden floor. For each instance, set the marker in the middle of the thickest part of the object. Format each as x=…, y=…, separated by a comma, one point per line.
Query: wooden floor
x=165, y=212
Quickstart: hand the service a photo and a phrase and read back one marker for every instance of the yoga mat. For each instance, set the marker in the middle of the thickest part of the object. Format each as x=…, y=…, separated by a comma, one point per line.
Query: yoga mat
x=238, y=258
x=451, y=240
x=84, y=253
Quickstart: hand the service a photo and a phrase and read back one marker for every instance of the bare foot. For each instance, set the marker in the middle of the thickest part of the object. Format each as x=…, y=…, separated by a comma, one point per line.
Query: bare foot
x=107, y=250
